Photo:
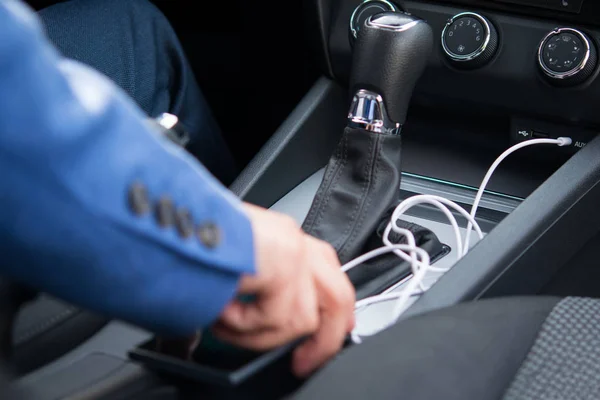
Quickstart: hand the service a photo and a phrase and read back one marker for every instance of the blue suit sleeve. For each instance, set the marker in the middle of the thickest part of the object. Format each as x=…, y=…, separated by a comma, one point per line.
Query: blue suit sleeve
x=72, y=145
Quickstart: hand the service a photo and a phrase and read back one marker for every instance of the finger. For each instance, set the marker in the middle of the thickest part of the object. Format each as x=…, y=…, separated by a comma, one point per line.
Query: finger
x=346, y=293
x=258, y=341
x=294, y=308
x=351, y=323
x=329, y=253
x=321, y=347
x=335, y=282
x=336, y=297
x=242, y=317
x=249, y=285
x=263, y=313
x=333, y=261
x=301, y=318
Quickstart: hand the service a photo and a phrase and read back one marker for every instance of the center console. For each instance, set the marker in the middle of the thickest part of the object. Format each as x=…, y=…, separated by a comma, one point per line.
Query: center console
x=500, y=72
x=531, y=197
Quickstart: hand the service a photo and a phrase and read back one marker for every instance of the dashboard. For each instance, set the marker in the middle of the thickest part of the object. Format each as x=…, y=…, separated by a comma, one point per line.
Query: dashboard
x=533, y=62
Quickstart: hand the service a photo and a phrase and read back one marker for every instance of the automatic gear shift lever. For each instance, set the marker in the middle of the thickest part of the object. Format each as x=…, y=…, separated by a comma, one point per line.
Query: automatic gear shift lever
x=389, y=57
x=362, y=179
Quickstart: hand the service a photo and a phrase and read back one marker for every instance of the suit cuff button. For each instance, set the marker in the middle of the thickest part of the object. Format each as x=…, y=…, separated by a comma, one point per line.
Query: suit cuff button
x=165, y=212
x=139, y=202
x=209, y=235
x=184, y=223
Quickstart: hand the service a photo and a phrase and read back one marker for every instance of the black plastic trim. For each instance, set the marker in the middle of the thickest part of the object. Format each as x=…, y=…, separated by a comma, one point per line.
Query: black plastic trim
x=587, y=15
x=55, y=340
x=317, y=24
x=96, y=376
x=290, y=156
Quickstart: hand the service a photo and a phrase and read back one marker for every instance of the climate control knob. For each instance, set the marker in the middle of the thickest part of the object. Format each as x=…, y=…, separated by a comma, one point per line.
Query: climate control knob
x=567, y=57
x=365, y=10
x=469, y=40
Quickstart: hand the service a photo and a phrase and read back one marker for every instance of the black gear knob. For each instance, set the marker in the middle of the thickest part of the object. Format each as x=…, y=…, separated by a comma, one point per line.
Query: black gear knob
x=390, y=54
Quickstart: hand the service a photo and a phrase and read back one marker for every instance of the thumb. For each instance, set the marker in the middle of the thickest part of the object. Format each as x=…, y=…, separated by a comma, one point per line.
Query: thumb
x=243, y=315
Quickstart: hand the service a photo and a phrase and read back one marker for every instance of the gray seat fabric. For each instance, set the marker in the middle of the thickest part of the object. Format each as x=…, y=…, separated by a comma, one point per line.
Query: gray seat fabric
x=511, y=349
x=564, y=362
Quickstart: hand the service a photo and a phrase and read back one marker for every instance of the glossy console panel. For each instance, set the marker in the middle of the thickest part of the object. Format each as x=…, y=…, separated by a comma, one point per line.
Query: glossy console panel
x=579, y=11
x=447, y=147
x=510, y=85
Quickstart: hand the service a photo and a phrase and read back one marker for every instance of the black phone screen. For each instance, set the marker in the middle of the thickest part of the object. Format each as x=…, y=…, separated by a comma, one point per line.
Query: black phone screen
x=217, y=354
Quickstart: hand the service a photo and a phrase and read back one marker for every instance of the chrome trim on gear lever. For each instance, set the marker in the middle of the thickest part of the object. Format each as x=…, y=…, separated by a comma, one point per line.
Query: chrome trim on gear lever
x=392, y=26
x=368, y=112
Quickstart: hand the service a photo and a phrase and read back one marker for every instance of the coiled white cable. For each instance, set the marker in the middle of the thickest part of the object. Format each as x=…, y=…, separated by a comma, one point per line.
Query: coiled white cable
x=419, y=259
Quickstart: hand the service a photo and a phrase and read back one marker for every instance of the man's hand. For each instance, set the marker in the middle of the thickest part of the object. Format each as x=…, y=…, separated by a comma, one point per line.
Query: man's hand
x=299, y=291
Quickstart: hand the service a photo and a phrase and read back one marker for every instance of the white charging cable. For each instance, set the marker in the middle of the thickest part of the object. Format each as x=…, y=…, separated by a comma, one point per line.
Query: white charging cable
x=561, y=141
x=418, y=258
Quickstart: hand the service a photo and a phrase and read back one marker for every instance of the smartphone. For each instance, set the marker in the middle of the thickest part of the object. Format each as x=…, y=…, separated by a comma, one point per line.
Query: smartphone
x=213, y=361
x=222, y=356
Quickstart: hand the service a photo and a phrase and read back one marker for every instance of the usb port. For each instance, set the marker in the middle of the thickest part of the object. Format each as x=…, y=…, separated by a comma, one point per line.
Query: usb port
x=540, y=135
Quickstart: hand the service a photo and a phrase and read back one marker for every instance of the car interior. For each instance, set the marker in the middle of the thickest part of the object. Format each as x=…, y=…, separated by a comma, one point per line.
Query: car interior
x=281, y=79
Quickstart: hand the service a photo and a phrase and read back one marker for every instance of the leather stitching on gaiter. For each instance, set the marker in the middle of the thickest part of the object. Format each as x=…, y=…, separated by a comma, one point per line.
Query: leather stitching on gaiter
x=339, y=172
x=373, y=167
x=330, y=171
x=354, y=226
